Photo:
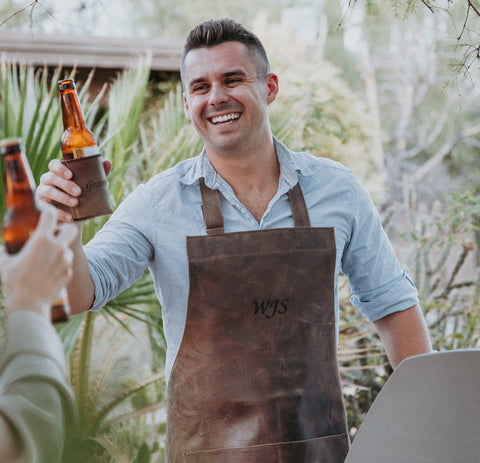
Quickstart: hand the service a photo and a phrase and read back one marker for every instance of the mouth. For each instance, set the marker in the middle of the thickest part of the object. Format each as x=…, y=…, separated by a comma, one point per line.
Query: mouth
x=224, y=119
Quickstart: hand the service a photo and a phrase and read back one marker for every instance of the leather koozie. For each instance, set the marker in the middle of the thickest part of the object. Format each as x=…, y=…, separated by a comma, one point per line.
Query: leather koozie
x=89, y=175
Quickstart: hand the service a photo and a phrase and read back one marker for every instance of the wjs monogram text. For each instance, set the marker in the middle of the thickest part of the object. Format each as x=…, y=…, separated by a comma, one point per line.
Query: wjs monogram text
x=270, y=308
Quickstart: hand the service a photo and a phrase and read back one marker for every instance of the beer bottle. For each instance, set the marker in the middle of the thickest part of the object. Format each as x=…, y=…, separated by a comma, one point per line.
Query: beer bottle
x=81, y=157
x=22, y=213
x=77, y=140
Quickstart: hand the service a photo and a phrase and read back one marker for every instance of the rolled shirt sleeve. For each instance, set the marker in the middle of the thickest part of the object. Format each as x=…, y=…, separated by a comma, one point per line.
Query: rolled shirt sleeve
x=380, y=284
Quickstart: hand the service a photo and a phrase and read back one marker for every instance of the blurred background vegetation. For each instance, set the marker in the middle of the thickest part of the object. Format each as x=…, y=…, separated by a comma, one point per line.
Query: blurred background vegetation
x=389, y=88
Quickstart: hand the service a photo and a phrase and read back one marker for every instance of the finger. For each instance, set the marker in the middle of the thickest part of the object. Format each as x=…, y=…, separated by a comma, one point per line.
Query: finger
x=51, y=181
x=107, y=165
x=66, y=234
x=58, y=168
x=52, y=195
x=47, y=208
x=48, y=220
x=62, y=215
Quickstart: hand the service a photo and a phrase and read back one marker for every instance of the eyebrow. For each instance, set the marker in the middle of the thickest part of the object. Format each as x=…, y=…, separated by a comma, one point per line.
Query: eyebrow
x=235, y=72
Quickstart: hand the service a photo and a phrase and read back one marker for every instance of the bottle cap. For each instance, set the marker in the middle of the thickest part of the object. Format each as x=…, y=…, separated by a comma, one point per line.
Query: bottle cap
x=64, y=84
x=8, y=145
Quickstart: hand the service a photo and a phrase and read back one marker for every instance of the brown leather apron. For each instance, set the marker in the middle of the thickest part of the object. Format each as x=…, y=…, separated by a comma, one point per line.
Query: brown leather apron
x=256, y=378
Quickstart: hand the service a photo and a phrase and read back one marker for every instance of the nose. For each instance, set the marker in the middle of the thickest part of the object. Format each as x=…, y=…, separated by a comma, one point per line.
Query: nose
x=218, y=95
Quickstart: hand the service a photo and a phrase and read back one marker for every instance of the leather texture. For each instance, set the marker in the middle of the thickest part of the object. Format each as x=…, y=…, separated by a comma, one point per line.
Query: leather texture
x=256, y=378
x=89, y=175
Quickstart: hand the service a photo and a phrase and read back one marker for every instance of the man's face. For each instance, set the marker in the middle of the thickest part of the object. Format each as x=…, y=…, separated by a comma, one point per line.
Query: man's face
x=225, y=99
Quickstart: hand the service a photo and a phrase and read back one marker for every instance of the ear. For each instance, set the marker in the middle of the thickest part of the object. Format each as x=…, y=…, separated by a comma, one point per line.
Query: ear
x=185, y=107
x=273, y=88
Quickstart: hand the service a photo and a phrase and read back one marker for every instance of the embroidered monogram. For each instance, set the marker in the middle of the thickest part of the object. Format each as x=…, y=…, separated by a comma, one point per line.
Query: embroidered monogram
x=270, y=308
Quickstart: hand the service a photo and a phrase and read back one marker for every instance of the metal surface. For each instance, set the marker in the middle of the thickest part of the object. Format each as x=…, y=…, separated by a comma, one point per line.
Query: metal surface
x=427, y=412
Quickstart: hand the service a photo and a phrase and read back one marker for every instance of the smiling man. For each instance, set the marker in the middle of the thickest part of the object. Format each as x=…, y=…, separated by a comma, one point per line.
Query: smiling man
x=228, y=88
x=245, y=243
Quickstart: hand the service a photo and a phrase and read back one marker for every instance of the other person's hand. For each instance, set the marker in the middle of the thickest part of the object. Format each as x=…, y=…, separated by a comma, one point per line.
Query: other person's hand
x=32, y=278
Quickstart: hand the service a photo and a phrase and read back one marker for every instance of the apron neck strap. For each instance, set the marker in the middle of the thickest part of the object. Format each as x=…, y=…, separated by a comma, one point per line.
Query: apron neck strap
x=299, y=208
x=212, y=209
x=213, y=216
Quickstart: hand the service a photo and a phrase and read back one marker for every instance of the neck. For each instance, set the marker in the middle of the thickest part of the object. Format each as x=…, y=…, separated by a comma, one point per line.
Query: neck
x=253, y=175
x=251, y=164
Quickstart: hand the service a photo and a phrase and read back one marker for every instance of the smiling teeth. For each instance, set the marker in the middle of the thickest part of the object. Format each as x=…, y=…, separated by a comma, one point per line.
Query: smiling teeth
x=225, y=118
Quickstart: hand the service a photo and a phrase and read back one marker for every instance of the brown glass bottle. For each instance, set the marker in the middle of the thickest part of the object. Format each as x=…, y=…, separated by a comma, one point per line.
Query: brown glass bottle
x=77, y=140
x=22, y=214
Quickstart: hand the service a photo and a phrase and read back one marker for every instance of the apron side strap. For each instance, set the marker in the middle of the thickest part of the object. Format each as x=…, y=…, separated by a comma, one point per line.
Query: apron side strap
x=299, y=208
x=211, y=209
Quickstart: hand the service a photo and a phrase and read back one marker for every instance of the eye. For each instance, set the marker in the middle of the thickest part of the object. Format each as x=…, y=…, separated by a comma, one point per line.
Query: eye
x=233, y=80
x=199, y=88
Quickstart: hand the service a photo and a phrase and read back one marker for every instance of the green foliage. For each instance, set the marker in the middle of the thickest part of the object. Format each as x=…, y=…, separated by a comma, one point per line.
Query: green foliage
x=445, y=243
x=167, y=137
x=441, y=247
x=29, y=109
x=330, y=119
x=110, y=396
x=363, y=364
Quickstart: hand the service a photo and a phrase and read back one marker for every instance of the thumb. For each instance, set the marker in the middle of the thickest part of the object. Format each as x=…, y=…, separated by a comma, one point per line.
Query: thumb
x=48, y=219
x=107, y=166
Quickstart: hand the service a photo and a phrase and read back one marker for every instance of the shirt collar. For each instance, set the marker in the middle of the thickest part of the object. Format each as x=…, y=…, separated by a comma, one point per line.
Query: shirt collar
x=290, y=167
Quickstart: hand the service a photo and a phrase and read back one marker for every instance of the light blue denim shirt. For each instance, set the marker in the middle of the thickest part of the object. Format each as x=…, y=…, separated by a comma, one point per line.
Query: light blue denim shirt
x=149, y=229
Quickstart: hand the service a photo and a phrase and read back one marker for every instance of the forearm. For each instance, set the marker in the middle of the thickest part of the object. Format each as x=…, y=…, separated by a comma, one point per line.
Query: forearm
x=36, y=403
x=404, y=334
x=81, y=291
x=34, y=429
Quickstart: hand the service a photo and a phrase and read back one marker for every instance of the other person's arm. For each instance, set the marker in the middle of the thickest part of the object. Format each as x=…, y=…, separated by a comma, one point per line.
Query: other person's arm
x=35, y=399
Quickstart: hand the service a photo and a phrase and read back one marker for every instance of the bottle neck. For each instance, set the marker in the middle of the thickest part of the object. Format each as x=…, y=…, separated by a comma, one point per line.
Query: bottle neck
x=18, y=181
x=72, y=114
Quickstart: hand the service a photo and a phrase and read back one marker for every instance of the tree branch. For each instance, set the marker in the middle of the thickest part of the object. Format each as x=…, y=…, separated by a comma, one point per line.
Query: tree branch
x=473, y=7
x=428, y=6
x=443, y=151
x=31, y=4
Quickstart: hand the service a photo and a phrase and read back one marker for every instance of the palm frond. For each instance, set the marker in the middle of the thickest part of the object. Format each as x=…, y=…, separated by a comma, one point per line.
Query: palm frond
x=126, y=102
x=69, y=333
x=29, y=110
x=112, y=449
x=99, y=422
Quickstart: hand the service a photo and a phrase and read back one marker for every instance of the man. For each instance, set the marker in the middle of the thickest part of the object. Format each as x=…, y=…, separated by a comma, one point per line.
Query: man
x=36, y=402
x=245, y=244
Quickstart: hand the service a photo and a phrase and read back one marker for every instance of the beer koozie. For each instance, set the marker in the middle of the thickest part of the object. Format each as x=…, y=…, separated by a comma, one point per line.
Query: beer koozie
x=89, y=175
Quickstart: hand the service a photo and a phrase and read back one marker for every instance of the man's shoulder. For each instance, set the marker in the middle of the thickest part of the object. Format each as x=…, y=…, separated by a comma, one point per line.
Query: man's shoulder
x=321, y=166
x=172, y=177
x=309, y=165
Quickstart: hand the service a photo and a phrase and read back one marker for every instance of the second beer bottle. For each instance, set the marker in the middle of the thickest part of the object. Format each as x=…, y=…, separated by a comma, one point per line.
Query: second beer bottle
x=22, y=214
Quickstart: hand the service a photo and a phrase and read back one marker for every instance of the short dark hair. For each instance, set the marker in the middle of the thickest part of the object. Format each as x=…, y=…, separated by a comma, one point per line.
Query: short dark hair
x=217, y=31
